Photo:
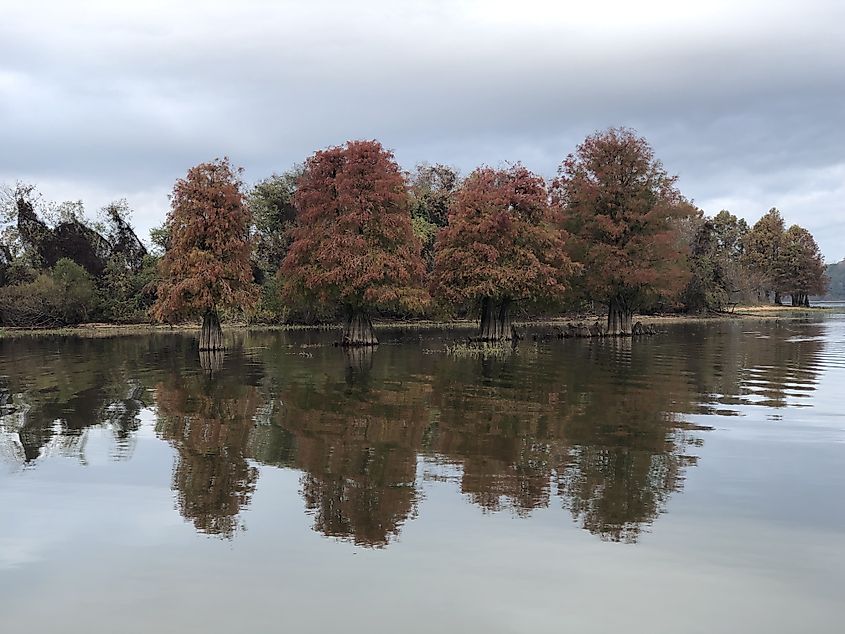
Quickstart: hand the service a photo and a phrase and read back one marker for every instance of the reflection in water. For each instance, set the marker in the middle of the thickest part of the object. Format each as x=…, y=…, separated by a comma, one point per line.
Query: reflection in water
x=212, y=360
x=208, y=418
x=610, y=443
x=357, y=447
x=595, y=427
x=54, y=389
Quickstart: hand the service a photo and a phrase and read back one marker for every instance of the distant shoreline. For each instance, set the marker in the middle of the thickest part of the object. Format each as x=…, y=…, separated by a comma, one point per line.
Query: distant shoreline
x=741, y=312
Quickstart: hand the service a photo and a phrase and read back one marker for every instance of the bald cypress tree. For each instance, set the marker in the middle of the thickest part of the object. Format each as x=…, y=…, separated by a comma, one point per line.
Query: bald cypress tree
x=501, y=247
x=207, y=264
x=353, y=245
x=621, y=210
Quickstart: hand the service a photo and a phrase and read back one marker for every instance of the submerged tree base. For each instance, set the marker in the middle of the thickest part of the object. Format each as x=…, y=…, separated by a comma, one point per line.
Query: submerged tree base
x=211, y=335
x=582, y=331
x=619, y=319
x=359, y=331
x=496, y=325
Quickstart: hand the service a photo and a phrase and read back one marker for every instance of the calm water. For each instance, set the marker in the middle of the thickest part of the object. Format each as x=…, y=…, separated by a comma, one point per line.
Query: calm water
x=690, y=482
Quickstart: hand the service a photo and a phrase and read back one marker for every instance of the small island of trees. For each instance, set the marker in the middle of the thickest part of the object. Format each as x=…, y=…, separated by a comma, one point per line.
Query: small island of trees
x=348, y=236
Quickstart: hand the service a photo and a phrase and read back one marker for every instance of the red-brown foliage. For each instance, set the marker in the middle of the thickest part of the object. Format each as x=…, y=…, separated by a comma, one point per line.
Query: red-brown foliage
x=501, y=242
x=353, y=244
x=207, y=265
x=620, y=208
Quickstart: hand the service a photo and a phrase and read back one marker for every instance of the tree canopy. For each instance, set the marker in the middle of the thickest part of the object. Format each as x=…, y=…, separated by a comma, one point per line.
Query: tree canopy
x=501, y=242
x=353, y=244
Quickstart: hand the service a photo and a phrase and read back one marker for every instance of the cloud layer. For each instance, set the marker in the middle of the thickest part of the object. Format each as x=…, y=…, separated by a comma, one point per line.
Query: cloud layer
x=745, y=103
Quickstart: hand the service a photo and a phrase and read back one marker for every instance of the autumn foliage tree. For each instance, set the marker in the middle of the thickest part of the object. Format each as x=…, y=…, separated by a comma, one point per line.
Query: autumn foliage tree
x=500, y=247
x=207, y=264
x=353, y=245
x=621, y=210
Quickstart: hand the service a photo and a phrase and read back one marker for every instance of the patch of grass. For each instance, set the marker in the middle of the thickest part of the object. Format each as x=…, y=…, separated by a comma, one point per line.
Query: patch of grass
x=481, y=350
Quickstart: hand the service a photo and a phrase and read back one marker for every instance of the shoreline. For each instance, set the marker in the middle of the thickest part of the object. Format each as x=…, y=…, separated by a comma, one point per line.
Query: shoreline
x=764, y=312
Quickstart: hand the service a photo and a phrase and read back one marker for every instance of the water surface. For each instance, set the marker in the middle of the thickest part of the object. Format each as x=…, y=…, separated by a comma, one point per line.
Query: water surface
x=692, y=481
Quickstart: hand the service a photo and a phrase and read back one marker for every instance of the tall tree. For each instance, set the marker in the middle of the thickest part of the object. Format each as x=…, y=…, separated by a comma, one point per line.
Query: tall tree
x=353, y=245
x=621, y=207
x=762, y=253
x=801, y=266
x=207, y=265
x=500, y=247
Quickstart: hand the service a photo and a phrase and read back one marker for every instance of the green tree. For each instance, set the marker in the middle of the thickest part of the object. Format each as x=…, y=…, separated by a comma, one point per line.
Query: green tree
x=717, y=275
x=432, y=189
x=271, y=202
x=63, y=296
x=836, y=275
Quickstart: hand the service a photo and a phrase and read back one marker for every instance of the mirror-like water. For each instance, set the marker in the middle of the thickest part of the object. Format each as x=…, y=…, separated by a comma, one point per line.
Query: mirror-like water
x=693, y=481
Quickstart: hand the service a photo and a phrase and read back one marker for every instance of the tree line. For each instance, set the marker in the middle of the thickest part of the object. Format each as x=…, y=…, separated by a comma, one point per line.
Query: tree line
x=348, y=235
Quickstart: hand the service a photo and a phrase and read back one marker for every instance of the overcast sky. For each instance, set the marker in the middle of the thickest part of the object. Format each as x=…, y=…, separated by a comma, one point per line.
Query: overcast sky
x=744, y=100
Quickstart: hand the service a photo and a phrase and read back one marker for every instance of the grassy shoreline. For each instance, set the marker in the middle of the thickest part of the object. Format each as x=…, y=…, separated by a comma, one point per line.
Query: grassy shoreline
x=107, y=330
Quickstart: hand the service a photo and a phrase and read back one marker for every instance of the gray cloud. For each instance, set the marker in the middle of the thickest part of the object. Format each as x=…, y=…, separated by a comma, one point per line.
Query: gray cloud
x=101, y=100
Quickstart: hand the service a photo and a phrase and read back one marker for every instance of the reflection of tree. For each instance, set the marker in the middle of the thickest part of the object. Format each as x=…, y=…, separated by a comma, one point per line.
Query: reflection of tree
x=771, y=363
x=359, y=458
x=600, y=431
x=598, y=428
x=57, y=388
x=595, y=426
x=357, y=447
x=208, y=421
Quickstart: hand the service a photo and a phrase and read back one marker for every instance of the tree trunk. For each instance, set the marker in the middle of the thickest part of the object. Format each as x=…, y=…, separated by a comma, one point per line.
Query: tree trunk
x=495, y=321
x=777, y=298
x=619, y=318
x=211, y=335
x=359, y=330
x=806, y=300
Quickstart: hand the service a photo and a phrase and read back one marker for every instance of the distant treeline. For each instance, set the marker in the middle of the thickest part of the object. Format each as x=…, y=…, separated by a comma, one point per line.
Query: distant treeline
x=836, y=274
x=349, y=235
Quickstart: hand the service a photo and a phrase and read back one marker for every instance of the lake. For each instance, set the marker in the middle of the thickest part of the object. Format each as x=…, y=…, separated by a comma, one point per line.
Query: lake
x=692, y=481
